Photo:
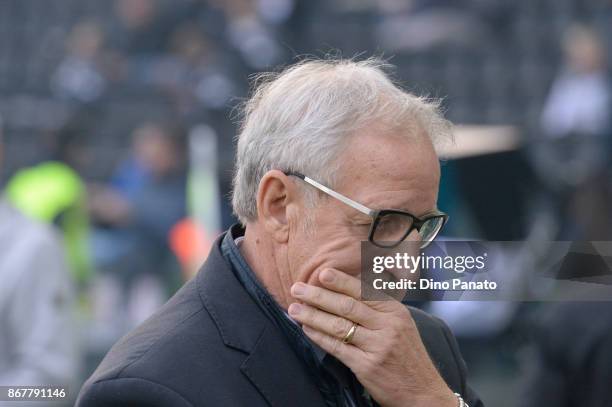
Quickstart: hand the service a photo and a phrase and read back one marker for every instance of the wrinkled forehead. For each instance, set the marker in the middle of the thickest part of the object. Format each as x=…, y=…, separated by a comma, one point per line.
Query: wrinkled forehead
x=391, y=160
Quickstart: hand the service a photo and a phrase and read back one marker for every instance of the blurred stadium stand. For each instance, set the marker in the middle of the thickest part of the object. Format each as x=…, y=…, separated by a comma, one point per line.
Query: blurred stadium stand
x=494, y=65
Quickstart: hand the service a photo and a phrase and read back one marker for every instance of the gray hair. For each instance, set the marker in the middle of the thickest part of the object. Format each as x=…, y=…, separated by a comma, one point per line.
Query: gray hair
x=300, y=120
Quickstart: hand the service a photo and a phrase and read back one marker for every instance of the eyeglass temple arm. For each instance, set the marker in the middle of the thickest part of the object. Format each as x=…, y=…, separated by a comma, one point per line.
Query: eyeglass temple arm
x=361, y=208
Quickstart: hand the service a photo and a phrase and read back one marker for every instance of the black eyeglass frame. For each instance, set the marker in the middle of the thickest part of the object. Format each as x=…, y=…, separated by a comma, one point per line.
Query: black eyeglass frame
x=378, y=214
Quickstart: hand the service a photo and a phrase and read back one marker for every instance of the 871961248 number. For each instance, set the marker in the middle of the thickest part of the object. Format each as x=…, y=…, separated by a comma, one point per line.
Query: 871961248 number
x=17, y=393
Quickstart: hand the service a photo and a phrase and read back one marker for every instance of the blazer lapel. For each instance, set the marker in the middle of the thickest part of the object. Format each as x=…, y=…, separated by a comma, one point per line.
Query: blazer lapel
x=270, y=364
x=277, y=373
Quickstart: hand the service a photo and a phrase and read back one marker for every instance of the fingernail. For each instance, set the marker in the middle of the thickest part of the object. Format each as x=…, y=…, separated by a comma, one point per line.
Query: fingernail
x=299, y=289
x=328, y=276
x=295, y=309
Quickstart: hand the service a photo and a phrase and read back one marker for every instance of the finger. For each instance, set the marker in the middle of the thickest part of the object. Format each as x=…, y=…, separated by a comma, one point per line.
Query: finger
x=330, y=324
x=348, y=354
x=335, y=303
x=344, y=283
x=341, y=282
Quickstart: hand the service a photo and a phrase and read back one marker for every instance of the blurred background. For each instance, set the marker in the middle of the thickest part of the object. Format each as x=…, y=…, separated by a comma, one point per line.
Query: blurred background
x=116, y=142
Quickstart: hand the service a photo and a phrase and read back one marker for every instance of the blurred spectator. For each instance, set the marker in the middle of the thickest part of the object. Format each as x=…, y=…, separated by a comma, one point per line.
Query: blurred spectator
x=78, y=76
x=135, y=38
x=147, y=192
x=135, y=28
x=38, y=341
x=579, y=101
x=53, y=192
x=572, y=158
x=248, y=33
x=135, y=212
x=421, y=25
x=194, y=72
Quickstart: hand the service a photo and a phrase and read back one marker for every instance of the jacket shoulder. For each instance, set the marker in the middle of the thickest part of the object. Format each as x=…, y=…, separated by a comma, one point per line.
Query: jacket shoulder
x=130, y=391
x=159, y=355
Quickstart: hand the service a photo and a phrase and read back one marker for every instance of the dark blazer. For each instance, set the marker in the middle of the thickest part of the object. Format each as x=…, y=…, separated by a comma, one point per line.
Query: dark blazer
x=211, y=345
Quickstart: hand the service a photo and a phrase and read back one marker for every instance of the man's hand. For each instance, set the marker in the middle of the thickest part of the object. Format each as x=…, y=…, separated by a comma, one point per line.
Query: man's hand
x=386, y=353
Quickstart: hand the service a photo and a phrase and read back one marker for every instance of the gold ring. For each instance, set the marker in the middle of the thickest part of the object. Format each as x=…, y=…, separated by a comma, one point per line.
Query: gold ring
x=350, y=334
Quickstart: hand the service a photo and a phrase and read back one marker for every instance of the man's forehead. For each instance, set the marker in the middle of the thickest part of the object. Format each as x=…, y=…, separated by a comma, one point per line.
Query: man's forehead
x=393, y=173
x=391, y=158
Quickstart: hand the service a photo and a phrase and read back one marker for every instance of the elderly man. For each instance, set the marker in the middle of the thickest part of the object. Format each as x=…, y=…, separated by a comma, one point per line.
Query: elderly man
x=275, y=316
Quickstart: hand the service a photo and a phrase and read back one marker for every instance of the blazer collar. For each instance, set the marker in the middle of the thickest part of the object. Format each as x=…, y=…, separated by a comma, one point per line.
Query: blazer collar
x=233, y=311
x=271, y=364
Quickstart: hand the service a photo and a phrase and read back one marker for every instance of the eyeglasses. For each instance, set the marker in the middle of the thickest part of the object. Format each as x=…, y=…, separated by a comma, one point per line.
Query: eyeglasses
x=389, y=226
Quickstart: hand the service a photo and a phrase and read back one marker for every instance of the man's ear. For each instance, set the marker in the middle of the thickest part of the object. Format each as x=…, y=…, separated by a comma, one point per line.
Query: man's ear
x=275, y=193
